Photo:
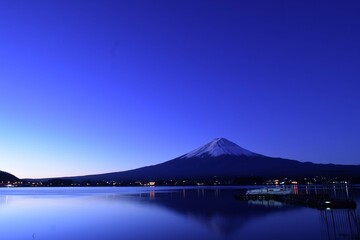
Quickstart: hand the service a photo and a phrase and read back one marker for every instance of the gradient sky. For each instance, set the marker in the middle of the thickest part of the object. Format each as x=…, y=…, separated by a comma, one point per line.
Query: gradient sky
x=99, y=86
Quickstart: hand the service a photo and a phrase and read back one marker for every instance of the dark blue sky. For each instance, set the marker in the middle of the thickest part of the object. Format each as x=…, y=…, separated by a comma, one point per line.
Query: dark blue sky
x=99, y=86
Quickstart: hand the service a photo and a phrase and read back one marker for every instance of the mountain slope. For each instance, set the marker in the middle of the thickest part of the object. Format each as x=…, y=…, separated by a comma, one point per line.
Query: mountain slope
x=224, y=159
x=6, y=177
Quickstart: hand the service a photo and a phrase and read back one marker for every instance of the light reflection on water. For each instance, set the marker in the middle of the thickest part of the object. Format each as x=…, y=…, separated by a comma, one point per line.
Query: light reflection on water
x=163, y=213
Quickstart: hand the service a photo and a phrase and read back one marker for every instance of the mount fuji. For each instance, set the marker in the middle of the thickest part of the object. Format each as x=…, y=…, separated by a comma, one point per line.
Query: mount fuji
x=225, y=160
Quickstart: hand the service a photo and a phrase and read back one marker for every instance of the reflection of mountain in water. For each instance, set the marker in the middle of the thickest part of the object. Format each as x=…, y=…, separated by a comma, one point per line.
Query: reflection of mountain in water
x=220, y=211
x=216, y=208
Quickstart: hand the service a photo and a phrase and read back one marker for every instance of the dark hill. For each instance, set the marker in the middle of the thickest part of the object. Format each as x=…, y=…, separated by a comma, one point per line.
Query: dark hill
x=6, y=177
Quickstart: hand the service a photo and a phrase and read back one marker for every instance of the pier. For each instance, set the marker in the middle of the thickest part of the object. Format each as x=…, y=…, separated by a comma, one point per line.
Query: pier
x=320, y=202
x=319, y=197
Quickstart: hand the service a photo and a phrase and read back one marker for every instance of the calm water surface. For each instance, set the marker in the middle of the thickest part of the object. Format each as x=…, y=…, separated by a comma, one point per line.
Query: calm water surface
x=165, y=213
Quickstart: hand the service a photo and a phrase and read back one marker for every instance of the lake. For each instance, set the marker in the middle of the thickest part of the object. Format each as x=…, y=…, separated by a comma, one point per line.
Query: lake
x=166, y=213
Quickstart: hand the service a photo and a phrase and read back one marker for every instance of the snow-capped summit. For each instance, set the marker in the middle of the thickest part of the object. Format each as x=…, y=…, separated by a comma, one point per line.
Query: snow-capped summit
x=218, y=147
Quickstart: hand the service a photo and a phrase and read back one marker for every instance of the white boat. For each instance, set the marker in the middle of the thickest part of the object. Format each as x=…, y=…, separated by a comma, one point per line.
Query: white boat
x=269, y=191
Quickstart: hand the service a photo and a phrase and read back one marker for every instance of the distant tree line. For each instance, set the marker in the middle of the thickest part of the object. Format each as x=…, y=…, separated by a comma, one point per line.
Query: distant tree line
x=62, y=182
